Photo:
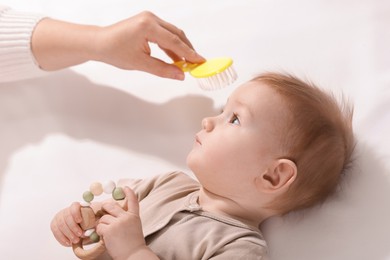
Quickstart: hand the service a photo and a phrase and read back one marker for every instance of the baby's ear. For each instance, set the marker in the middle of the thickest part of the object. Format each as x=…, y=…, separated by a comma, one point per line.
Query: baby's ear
x=280, y=176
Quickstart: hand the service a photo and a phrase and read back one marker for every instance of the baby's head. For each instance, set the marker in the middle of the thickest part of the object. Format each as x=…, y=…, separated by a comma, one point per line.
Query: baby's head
x=278, y=137
x=318, y=138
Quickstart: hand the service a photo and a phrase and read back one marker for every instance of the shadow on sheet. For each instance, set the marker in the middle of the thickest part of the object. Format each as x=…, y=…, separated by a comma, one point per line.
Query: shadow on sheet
x=68, y=103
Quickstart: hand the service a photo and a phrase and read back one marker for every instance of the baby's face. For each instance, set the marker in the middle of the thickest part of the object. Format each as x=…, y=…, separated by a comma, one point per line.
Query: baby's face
x=241, y=142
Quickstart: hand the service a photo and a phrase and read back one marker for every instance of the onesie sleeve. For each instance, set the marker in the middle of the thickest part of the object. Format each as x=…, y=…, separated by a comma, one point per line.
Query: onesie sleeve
x=16, y=59
x=242, y=249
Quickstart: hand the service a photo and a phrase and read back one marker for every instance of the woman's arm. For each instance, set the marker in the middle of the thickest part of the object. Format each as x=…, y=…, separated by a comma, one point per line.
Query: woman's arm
x=58, y=44
x=31, y=45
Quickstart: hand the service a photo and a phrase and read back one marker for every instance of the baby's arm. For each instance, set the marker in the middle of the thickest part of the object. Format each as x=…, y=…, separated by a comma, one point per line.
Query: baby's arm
x=122, y=230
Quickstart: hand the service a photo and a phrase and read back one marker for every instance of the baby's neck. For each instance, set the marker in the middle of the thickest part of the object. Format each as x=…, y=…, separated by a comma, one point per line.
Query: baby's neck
x=216, y=204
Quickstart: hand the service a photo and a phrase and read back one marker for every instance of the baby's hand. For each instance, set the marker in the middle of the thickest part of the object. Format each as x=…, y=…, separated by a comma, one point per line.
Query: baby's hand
x=65, y=225
x=121, y=229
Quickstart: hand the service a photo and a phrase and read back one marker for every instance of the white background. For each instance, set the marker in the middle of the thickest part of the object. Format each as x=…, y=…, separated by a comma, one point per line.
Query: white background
x=93, y=122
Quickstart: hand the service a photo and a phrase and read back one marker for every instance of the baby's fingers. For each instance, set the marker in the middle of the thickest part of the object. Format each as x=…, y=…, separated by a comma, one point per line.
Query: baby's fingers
x=61, y=231
x=65, y=228
x=132, y=201
x=75, y=211
x=72, y=217
x=60, y=237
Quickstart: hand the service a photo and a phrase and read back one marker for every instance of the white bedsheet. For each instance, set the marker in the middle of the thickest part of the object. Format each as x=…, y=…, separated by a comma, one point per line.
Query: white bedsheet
x=93, y=122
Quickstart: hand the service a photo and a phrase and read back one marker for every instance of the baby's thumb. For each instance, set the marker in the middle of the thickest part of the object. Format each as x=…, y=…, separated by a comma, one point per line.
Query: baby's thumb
x=132, y=201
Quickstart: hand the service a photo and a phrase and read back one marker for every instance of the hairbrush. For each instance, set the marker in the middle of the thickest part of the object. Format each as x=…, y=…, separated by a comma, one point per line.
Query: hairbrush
x=213, y=74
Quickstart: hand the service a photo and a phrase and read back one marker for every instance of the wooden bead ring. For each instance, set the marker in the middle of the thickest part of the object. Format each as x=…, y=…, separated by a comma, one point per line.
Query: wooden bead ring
x=90, y=218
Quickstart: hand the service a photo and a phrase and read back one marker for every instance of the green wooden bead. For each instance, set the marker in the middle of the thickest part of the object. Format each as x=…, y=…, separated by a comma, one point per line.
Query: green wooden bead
x=88, y=196
x=94, y=237
x=118, y=194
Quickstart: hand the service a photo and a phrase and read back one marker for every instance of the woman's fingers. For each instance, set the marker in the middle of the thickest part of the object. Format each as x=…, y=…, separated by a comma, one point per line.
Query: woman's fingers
x=175, y=46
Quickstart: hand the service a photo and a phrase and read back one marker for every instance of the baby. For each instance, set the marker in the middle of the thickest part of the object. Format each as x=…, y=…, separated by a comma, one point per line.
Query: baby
x=279, y=145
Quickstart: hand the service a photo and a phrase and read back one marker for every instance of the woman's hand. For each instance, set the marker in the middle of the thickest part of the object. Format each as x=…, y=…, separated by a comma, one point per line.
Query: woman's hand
x=126, y=45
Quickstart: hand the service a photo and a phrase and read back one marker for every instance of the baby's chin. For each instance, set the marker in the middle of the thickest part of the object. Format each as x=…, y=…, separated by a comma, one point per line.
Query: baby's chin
x=191, y=163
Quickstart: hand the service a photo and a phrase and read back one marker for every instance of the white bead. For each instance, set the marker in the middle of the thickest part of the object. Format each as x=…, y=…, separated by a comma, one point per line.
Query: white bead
x=85, y=204
x=109, y=187
x=88, y=232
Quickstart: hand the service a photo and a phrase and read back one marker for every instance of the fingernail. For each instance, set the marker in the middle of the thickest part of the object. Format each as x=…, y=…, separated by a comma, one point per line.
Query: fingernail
x=179, y=76
x=200, y=56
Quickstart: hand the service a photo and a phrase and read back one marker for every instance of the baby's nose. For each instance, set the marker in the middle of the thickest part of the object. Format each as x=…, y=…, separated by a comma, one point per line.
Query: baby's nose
x=207, y=124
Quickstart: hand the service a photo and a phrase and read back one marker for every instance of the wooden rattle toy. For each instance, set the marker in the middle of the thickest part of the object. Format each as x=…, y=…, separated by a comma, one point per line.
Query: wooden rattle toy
x=90, y=218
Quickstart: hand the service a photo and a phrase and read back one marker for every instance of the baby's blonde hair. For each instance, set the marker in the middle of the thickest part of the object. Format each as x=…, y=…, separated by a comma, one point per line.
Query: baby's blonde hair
x=318, y=138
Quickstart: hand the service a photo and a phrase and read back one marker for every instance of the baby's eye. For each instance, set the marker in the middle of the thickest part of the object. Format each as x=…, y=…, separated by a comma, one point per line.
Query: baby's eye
x=234, y=120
